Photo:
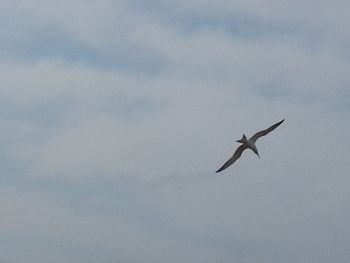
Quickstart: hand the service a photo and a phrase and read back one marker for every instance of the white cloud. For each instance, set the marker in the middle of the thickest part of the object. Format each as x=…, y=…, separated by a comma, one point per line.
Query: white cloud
x=160, y=137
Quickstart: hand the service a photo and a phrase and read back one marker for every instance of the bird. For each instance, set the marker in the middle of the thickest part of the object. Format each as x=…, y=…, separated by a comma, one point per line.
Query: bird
x=248, y=144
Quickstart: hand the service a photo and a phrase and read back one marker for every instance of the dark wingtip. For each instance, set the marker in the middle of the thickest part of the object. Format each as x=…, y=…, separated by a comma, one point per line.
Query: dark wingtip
x=280, y=122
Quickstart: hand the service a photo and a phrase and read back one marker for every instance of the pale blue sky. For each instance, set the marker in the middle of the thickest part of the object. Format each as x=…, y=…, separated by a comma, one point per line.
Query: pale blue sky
x=115, y=115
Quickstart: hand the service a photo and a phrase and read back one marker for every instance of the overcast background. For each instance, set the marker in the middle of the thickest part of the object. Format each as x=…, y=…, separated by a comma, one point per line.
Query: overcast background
x=115, y=115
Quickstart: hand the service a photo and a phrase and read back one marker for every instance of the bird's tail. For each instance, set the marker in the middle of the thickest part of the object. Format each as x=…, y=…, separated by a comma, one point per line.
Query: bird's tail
x=243, y=140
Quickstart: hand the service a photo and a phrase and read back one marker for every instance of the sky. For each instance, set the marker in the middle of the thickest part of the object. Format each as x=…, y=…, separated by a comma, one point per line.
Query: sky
x=115, y=115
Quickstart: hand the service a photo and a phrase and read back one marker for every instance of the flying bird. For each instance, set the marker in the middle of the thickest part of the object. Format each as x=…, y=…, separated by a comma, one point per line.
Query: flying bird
x=248, y=144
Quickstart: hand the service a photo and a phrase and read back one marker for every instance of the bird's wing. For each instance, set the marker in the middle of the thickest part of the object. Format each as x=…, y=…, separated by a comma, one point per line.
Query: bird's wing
x=264, y=132
x=234, y=157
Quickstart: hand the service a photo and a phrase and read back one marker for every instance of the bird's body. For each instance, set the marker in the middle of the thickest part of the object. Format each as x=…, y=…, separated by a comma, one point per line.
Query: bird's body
x=248, y=144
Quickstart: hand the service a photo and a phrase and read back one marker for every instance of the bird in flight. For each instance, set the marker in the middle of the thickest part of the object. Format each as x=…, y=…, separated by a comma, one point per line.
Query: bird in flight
x=248, y=144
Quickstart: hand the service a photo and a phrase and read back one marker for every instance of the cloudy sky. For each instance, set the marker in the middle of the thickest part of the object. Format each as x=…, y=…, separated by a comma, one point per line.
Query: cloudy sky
x=115, y=115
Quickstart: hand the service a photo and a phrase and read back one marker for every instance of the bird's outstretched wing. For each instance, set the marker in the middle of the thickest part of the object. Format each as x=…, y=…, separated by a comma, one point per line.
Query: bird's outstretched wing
x=264, y=132
x=234, y=157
